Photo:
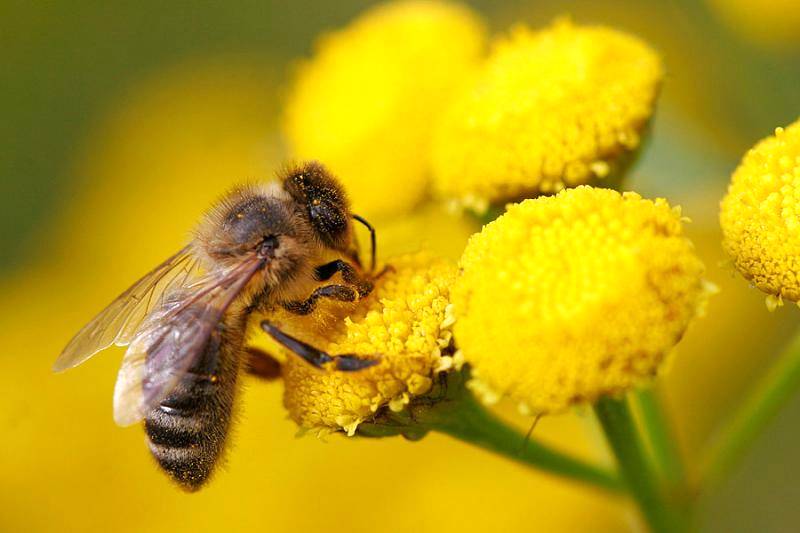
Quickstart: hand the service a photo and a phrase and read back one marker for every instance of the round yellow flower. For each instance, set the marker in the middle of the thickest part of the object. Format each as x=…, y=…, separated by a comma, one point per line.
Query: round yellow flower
x=565, y=298
x=363, y=103
x=760, y=215
x=551, y=109
x=405, y=322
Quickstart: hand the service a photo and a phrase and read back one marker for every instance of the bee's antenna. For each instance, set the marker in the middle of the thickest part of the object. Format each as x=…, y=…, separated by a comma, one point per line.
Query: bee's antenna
x=372, y=238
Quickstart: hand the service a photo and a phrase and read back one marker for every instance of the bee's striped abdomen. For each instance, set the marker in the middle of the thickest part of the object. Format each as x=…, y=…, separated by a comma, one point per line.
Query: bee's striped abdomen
x=186, y=432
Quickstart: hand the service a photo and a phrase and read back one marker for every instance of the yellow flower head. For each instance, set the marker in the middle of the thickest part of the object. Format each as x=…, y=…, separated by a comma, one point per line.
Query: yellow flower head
x=551, y=109
x=760, y=215
x=363, y=103
x=405, y=322
x=565, y=298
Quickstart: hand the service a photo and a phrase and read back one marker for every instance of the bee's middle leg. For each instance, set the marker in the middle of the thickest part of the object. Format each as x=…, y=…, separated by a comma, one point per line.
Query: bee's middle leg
x=315, y=356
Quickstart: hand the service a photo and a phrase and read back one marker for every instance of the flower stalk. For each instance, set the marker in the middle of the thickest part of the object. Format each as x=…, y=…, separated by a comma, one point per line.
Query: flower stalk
x=451, y=409
x=759, y=408
x=637, y=471
x=663, y=446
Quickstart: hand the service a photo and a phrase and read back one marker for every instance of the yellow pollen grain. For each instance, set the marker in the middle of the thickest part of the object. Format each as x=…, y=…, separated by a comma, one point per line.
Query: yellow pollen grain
x=550, y=109
x=569, y=297
x=760, y=216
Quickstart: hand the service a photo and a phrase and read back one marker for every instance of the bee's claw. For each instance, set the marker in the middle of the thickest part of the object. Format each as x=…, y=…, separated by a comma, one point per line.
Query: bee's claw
x=350, y=363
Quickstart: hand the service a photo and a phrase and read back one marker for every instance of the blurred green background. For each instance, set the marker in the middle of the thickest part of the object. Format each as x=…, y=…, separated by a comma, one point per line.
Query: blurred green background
x=99, y=102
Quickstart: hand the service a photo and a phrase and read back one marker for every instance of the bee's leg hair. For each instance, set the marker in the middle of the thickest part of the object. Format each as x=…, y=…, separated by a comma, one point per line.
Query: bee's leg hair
x=349, y=274
x=314, y=356
x=342, y=293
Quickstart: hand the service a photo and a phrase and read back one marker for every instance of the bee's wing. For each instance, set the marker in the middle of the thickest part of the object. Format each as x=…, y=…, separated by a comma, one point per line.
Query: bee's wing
x=172, y=338
x=117, y=323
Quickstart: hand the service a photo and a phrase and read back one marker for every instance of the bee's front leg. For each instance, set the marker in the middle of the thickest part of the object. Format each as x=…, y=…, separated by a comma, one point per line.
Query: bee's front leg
x=350, y=275
x=341, y=293
x=355, y=287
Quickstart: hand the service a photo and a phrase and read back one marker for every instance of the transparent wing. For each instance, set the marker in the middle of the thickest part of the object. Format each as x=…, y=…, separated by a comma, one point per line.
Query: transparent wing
x=117, y=323
x=172, y=338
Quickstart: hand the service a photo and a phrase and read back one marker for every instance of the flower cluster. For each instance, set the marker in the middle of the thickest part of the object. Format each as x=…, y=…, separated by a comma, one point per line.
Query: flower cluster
x=547, y=109
x=760, y=215
x=390, y=105
x=561, y=300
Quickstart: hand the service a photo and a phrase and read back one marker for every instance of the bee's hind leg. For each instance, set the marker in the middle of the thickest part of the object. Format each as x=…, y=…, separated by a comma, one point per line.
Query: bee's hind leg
x=261, y=364
x=314, y=356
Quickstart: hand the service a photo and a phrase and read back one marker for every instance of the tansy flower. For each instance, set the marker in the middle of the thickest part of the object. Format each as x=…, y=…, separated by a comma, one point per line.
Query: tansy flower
x=570, y=297
x=405, y=322
x=551, y=109
x=760, y=215
x=363, y=103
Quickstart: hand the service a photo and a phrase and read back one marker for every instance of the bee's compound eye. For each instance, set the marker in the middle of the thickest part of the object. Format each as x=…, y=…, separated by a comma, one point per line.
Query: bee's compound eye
x=329, y=220
x=324, y=200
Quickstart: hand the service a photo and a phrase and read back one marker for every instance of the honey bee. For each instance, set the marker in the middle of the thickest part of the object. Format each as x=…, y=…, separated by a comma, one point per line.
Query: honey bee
x=262, y=247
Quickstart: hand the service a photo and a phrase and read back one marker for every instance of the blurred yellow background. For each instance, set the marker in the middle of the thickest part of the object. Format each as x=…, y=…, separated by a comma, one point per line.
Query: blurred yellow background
x=121, y=124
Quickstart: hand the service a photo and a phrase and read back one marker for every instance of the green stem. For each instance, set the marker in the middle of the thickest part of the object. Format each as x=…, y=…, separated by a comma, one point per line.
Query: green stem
x=658, y=430
x=492, y=213
x=472, y=423
x=620, y=429
x=760, y=406
x=454, y=411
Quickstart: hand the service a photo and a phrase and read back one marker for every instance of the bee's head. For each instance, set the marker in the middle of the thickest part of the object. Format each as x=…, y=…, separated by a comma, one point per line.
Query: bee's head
x=323, y=201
